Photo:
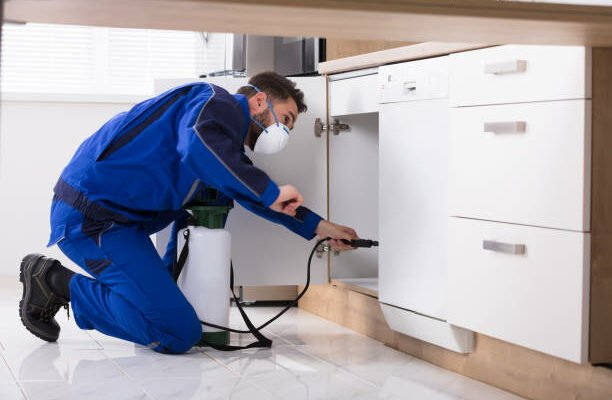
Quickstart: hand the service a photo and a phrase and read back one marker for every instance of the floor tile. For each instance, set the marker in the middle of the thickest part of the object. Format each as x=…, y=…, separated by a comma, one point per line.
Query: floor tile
x=11, y=391
x=311, y=358
x=143, y=364
x=101, y=389
x=331, y=384
x=260, y=362
x=191, y=389
x=49, y=362
x=470, y=389
x=5, y=373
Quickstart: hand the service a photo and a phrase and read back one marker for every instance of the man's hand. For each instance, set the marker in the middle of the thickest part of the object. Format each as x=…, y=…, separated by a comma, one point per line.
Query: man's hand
x=287, y=201
x=336, y=233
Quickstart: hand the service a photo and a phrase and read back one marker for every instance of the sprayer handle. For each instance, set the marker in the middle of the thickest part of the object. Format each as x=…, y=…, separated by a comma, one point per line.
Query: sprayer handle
x=361, y=243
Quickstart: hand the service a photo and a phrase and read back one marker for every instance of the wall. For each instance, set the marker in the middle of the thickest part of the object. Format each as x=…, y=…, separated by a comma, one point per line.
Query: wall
x=37, y=139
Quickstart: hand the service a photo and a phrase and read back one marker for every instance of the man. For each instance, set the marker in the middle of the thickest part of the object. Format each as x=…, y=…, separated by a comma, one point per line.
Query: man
x=131, y=179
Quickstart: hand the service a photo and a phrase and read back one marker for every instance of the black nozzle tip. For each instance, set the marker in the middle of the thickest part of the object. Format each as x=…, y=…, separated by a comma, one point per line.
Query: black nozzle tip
x=365, y=243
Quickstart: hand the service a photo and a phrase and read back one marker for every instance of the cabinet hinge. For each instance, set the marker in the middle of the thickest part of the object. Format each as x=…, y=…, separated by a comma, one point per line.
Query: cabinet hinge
x=336, y=127
x=323, y=248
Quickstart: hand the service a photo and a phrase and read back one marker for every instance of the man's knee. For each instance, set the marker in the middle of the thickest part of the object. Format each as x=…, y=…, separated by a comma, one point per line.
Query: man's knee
x=181, y=331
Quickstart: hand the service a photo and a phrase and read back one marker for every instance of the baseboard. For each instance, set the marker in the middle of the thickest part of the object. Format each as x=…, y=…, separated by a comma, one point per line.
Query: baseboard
x=268, y=293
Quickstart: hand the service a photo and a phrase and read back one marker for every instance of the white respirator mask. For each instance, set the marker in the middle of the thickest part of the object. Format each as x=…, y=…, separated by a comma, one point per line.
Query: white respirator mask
x=273, y=138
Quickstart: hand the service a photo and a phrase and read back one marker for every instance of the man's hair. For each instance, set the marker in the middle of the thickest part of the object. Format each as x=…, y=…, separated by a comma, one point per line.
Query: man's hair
x=277, y=87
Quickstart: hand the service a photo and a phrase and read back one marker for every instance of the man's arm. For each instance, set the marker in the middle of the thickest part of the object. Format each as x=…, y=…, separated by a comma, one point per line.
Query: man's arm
x=307, y=224
x=304, y=223
x=210, y=142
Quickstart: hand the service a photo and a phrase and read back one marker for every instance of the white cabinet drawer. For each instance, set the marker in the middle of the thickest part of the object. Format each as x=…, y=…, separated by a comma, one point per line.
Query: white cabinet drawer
x=415, y=80
x=538, y=299
x=511, y=74
x=353, y=95
x=522, y=163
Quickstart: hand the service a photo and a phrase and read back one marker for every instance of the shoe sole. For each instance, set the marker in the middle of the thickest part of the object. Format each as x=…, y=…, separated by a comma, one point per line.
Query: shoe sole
x=25, y=277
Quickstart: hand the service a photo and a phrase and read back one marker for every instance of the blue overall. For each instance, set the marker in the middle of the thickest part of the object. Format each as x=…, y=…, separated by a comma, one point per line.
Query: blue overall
x=131, y=179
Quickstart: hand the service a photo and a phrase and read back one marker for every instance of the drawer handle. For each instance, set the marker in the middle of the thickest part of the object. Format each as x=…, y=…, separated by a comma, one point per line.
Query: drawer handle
x=410, y=86
x=518, y=249
x=505, y=127
x=507, y=67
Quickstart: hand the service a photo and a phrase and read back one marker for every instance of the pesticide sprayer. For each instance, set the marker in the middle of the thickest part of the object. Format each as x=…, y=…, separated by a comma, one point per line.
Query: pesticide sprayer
x=204, y=273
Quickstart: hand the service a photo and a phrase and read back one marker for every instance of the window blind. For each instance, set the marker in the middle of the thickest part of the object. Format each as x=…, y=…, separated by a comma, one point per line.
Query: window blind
x=41, y=58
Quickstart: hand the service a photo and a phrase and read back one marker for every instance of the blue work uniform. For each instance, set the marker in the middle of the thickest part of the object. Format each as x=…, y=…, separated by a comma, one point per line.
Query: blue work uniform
x=131, y=179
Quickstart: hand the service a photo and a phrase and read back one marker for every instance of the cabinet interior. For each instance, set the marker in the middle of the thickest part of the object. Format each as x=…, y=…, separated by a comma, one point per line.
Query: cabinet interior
x=353, y=197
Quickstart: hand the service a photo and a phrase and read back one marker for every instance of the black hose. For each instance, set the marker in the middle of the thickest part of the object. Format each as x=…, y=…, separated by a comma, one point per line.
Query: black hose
x=284, y=310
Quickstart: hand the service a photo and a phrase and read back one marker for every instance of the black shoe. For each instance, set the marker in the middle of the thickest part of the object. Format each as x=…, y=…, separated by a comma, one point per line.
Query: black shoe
x=39, y=302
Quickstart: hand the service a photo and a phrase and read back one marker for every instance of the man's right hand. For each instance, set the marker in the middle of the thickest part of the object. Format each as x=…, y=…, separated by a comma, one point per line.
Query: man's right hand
x=288, y=200
x=336, y=233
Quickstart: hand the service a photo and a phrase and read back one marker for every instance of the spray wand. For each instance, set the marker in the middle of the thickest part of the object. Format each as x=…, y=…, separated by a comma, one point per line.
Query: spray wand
x=365, y=243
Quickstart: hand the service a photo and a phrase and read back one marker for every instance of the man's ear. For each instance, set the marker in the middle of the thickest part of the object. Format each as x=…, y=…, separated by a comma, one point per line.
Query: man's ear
x=260, y=101
x=257, y=103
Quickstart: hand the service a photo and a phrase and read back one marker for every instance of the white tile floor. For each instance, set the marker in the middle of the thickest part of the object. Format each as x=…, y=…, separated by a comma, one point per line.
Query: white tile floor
x=311, y=359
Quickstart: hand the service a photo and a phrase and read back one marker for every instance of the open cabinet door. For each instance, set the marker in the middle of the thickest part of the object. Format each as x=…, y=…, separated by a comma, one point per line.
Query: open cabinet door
x=264, y=253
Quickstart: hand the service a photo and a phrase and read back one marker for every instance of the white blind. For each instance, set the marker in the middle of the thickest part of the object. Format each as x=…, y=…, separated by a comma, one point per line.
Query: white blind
x=39, y=58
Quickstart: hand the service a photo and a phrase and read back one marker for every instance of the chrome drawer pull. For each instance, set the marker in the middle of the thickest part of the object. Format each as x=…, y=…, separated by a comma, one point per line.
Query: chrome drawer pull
x=508, y=67
x=410, y=86
x=518, y=249
x=505, y=127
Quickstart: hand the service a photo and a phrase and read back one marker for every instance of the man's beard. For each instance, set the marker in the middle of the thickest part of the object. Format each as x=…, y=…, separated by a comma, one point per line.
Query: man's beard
x=255, y=130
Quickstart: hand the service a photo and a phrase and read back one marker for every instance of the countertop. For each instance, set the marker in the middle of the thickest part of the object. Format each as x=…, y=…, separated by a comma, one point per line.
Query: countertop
x=405, y=53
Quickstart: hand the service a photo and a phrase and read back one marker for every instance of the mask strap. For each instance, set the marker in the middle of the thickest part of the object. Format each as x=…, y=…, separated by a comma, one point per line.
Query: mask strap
x=259, y=124
x=273, y=113
x=254, y=87
x=269, y=107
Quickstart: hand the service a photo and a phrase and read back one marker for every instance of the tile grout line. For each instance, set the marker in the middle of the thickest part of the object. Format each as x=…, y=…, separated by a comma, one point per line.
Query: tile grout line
x=15, y=381
x=339, y=367
x=121, y=370
x=313, y=356
x=245, y=378
x=131, y=379
x=234, y=374
x=241, y=378
x=302, y=349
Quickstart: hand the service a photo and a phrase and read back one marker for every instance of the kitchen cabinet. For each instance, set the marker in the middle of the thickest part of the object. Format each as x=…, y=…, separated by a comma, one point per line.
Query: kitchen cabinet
x=520, y=172
x=519, y=74
x=524, y=163
x=353, y=172
x=526, y=285
x=474, y=171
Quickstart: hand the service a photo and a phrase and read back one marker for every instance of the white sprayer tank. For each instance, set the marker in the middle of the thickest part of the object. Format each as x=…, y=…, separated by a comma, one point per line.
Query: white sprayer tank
x=205, y=278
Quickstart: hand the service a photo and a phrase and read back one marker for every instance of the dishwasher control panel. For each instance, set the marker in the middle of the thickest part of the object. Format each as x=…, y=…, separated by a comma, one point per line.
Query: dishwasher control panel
x=413, y=80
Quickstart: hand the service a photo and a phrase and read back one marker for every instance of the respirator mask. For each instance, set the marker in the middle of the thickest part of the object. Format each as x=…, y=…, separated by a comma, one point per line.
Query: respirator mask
x=273, y=138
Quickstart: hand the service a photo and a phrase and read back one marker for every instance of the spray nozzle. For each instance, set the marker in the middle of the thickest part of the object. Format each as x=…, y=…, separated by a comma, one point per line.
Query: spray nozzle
x=361, y=243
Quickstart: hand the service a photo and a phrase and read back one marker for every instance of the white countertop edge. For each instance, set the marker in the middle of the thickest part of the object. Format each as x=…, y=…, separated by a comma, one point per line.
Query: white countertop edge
x=406, y=53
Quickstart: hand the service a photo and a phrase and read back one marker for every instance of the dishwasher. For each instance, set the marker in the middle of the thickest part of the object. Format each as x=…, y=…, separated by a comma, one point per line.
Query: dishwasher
x=413, y=201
